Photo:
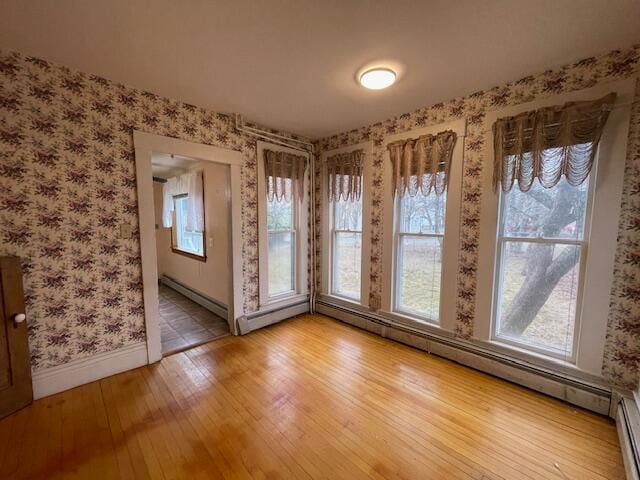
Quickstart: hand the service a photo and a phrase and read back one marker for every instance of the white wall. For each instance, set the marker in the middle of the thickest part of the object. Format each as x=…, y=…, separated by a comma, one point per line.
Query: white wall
x=212, y=277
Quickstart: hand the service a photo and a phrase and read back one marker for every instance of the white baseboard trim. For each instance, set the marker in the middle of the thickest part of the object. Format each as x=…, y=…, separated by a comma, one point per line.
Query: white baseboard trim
x=202, y=300
x=588, y=395
x=78, y=372
x=265, y=318
x=628, y=426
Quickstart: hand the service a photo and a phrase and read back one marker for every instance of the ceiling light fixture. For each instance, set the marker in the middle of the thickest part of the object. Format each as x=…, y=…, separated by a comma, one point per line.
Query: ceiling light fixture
x=378, y=78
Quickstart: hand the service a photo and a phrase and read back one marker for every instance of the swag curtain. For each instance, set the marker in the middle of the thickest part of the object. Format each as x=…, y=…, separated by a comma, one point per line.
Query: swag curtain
x=285, y=175
x=345, y=175
x=189, y=184
x=422, y=164
x=548, y=143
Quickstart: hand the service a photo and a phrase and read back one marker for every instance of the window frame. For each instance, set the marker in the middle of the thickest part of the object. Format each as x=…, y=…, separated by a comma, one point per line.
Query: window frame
x=300, y=225
x=606, y=181
x=334, y=233
x=582, y=265
x=327, y=219
x=398, y=235
x=175, y=248
x=450, y=251
x=294, y=232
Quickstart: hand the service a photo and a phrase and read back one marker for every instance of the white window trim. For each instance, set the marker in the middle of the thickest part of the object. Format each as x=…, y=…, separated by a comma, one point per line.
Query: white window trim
x=301, y=219
x=452, y=231
x=604, y=213
x=326, y=211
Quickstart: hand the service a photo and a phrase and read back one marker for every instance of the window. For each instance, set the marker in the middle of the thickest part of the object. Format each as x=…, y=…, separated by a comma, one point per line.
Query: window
x=541, y=245
x=282, y=240
x=419, y=245
x=551, y=250
x=421, y=220
x=283, y=206
x=185, y=241
x=346, y=238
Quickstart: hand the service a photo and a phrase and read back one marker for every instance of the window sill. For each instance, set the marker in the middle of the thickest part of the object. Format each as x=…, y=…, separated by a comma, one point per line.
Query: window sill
x=413, y=322
x=342, y=299
x=193, y=256
x=280, y=302
x=526, y=354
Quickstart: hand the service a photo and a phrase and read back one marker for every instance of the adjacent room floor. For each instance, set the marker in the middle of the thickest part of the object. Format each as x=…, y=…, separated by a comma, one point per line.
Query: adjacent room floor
x=185, y=324
x=307, y=398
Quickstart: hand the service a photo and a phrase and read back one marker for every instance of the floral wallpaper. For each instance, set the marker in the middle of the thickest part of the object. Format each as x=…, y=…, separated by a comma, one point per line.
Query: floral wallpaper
x=622, y=357
x=67, y=183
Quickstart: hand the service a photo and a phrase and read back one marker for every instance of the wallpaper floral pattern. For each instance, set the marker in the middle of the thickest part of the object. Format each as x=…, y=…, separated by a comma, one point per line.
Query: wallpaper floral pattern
x=67, y=183
x=622, y=357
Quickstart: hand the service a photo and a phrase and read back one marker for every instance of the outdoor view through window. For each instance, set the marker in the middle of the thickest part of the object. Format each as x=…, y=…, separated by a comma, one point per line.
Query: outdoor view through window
x=541, y=240
x=419, y=243
x=186, y=241
x=347, y=248
x=281, y=238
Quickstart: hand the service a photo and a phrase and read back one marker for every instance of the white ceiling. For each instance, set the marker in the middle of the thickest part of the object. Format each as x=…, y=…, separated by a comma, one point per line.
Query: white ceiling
x=166, y=166
x=291, y=64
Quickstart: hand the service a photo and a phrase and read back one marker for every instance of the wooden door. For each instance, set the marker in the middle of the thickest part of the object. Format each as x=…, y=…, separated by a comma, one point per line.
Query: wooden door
x=15, y=372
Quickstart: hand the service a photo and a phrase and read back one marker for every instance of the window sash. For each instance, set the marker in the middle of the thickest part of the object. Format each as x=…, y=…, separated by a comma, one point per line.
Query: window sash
x=334, y=269
x=397, y=272
x=179, y=232
x=582, y=246
x=334, y=233
x=284, y=293
x=293, y=231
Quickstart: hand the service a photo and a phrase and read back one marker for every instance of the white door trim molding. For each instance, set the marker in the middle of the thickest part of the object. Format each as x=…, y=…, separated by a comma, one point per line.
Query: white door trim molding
x=145, y=146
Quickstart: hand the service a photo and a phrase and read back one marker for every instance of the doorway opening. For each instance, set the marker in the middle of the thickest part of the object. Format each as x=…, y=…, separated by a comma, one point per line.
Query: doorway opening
x=190, y=240
x=193, y=238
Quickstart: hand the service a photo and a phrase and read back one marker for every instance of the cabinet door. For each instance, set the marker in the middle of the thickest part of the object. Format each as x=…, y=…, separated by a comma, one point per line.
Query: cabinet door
x=15, y=372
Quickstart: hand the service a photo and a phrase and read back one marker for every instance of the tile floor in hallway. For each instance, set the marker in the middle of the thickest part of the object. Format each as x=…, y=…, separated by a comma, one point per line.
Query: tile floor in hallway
x=185, y=324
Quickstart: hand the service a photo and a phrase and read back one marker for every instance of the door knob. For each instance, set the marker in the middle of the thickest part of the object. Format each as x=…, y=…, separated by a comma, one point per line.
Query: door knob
x=19, y=318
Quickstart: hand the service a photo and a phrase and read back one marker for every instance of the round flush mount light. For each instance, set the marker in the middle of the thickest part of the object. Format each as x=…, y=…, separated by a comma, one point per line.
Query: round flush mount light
x=377, y=78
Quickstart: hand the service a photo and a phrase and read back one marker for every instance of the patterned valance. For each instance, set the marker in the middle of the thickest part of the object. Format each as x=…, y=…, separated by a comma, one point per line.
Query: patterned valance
x=548, y=143
x=285, y=175
x=345, y=175
x=422, y=164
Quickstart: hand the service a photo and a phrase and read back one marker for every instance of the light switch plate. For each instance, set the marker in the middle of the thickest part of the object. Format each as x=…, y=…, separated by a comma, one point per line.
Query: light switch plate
x=125, y=230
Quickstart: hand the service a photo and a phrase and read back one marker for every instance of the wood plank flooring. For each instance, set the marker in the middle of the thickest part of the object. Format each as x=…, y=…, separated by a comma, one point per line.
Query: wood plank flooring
x=307, y=398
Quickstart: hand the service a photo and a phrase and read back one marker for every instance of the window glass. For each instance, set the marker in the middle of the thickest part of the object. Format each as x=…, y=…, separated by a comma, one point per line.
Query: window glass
x=190, y=242
x=419, y=274
x=422, y=213
x=347, y=248
x=281, y=262
x=537, y=213
x=540, y=248
x=419, y=244
x=281, y=246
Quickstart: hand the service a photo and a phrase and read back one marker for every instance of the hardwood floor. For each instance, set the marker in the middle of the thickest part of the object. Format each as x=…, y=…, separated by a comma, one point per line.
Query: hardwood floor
x=307, y=398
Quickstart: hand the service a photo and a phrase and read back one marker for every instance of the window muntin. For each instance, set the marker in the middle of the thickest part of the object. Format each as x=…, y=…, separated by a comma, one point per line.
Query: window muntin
x=419, y=251
x=540, y=256
x=281, y=233
x=185, y=241
x=346, y=247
